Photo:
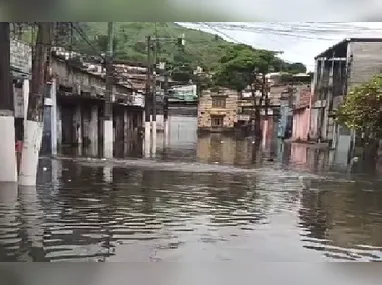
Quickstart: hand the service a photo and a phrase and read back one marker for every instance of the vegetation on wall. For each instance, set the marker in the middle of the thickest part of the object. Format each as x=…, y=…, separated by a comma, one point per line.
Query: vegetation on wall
x=362, y=108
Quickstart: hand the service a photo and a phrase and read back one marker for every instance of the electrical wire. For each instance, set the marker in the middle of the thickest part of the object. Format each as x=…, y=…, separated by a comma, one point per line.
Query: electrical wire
x=220, y=32
x=82, y=35
x=236, y=41
x=266, y=31
x=187, y=48
x=296, y=29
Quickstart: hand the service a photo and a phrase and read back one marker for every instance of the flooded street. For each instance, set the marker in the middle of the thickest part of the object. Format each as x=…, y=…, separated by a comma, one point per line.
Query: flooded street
x=211, y=198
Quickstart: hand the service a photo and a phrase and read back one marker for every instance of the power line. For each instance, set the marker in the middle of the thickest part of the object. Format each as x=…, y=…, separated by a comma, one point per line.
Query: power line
x=236, y=41
x=267, y=30
x=81, y=33
x=295, y=29
x=220, y=32
x=186, y=46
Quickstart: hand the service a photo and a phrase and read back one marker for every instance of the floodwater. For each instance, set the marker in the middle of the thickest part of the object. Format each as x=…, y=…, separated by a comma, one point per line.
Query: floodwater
x=212, y=198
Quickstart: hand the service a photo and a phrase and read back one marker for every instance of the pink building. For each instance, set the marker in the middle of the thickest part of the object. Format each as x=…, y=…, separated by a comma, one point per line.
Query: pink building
x=301, y=115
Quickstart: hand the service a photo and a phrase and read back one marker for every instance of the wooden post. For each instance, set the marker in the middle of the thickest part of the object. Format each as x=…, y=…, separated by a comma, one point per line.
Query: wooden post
x=8, y=165
x=34, y=124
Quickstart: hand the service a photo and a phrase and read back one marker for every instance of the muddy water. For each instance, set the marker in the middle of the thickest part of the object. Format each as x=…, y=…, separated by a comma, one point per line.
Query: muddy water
x=221, y=200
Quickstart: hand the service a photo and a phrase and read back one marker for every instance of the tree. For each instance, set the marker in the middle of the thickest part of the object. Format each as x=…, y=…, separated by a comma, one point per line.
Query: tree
x=102, y=42
x=202, y=82
x=182, y=68
x=238, y=67
x=295, y=68
x=362, y=108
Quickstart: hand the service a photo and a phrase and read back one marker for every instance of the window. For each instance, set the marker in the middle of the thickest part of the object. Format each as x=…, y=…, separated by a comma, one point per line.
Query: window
x=217, y=121
x=218, y=102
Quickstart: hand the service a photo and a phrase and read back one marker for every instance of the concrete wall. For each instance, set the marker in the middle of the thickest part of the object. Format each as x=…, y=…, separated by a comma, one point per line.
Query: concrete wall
x=313, y=128
x=183, y=132
x=366, y=61
x=299, y=153
x=301, y=124
x=79, y=82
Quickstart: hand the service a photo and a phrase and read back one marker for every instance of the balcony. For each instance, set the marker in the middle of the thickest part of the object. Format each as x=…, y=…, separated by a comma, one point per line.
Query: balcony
x=218, y=111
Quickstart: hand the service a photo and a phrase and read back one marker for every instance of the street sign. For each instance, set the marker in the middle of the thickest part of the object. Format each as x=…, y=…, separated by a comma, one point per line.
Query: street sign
x=21, y=57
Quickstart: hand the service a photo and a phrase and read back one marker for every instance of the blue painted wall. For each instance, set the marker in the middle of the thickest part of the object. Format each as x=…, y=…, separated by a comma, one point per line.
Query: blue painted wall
x=285, y=120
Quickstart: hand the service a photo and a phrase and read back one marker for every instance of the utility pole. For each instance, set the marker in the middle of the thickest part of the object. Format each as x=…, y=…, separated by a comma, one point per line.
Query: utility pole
x=165, y=106
x=33, y=127
x=8, y=166
x=258, y=108
x=150, y=98
x=253, y=109
x=154, y=95
x=147, y=99
x=108, y=133
x=264, y=94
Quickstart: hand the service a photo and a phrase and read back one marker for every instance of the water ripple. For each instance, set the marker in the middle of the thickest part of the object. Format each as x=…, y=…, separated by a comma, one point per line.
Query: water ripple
x=169, y=211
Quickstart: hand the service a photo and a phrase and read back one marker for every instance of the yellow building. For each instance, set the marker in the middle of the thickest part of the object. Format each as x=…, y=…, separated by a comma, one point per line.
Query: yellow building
x=217, y=110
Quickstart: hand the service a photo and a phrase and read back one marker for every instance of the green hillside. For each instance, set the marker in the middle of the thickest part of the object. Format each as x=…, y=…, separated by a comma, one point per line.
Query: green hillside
x=201, y=49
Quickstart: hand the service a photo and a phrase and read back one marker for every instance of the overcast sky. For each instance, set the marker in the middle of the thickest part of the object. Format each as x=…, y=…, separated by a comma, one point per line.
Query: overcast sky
x=297, y=46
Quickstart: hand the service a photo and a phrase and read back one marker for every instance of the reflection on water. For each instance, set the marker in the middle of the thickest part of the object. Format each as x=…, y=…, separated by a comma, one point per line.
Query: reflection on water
x=212, y=198
x=216, y=148
x=92, y=213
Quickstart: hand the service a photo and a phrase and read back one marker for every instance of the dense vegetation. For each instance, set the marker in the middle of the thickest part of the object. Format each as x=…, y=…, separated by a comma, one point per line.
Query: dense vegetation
x=362, y=109
x=237, y=69
x=202, y=49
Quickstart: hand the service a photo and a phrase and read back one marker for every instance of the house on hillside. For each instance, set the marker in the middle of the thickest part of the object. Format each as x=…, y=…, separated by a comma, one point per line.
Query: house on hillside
x=217, y=110
x=338, y=69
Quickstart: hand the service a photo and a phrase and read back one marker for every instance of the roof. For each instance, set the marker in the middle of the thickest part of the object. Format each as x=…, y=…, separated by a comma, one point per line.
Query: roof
x=98, y=75
x=343, y=44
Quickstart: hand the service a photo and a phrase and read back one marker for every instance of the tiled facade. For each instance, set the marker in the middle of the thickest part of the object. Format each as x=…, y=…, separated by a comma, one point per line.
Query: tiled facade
x=217, y=110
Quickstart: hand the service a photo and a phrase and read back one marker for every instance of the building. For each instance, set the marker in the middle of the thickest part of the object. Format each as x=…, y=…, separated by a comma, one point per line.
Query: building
x=348, y=63
x=291, y=89
x=183, y=94
x=301, y=114
x=73, y=104
x=217, y=110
